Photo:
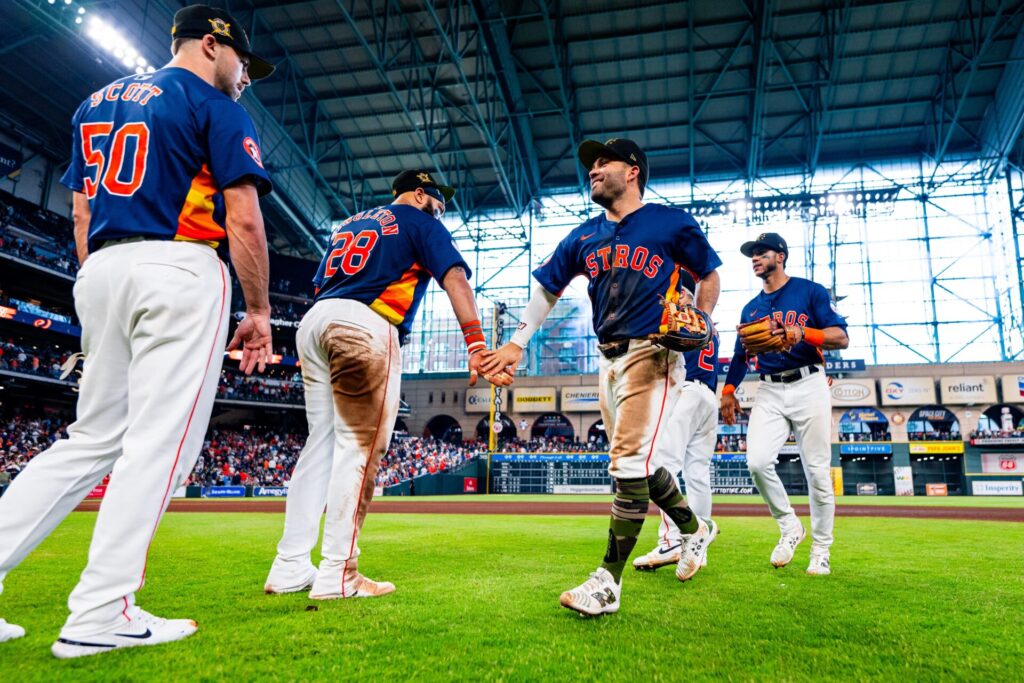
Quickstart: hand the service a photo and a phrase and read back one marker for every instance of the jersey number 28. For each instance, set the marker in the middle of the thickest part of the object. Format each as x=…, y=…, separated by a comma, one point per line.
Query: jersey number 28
x=110, y=172
x=352, y=253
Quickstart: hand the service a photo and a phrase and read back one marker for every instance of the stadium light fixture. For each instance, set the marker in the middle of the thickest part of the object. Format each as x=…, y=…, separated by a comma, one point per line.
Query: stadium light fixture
x=110, y=39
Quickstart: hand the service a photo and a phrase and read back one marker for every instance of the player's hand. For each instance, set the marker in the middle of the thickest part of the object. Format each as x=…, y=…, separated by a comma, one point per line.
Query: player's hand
x=791, y=335
x=499, y=379
x=730, y=409
x=502, y=360
x=254, y=337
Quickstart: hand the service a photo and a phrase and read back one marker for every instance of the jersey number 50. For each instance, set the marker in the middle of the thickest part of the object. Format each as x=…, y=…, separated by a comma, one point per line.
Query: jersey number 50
x=353, y=252
x=109, y=172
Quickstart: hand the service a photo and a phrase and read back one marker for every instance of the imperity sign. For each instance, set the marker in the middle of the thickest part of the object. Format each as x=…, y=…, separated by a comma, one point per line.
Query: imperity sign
x=964, y=390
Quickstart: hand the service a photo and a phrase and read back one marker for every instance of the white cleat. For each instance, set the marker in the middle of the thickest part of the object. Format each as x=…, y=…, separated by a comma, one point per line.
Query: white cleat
x=714, y=535
x=784, y=549
x=10, y=631
x=695, y=550
x=144, y=629
x=659, y=557
x=819, y=565
x=599, y=594
x=356, y=586
x=278, y=584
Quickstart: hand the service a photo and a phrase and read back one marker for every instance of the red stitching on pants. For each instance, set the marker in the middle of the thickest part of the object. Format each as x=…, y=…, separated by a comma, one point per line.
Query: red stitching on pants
x=366, y=466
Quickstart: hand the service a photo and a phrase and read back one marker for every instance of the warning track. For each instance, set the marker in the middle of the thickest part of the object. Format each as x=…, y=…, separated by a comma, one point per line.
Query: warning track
x=471, y=507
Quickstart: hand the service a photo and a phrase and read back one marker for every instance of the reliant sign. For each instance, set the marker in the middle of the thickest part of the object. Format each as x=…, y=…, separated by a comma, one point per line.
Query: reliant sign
x=580, y=399
x=962, y=391
x=907, y=391
x=1013, y=388
x=533, y=399
x=853, y=392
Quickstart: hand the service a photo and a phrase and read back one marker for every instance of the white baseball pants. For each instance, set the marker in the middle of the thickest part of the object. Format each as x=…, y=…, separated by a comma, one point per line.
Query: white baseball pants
x=154, y=324
x=690, y=441
x=352, y=370
x=639, y=391
x=805, y=408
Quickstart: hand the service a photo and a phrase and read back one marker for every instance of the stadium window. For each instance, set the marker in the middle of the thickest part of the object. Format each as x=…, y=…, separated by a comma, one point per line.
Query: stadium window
x=430, y=397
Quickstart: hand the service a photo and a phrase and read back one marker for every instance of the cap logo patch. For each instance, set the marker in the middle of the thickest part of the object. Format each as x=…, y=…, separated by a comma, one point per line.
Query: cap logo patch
x=612, y=141
x=633, y=157
x=220, y=27
x=253, y=150
x=762, y=236
x=425, y=177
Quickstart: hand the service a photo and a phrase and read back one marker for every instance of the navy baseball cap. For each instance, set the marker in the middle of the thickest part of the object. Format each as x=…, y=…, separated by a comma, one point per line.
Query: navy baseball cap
x=767, y=240
x=408, y=181
x=196, y=21
x=616, y=148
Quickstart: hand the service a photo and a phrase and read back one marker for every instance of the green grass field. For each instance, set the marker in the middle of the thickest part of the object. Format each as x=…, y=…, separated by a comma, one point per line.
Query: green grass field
x=477, y=599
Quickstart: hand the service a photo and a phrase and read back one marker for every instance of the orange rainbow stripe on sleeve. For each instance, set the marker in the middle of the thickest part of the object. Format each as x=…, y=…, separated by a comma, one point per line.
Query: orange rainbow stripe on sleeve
x=195, y=222
x=394, y=302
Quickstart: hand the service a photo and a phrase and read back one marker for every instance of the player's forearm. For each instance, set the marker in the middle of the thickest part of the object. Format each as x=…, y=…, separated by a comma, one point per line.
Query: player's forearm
x=456, y=286
x=708, y=290
x=737, y=370
x=247, y=242
x=82, y=216
x=541, y=303
x=835, y=338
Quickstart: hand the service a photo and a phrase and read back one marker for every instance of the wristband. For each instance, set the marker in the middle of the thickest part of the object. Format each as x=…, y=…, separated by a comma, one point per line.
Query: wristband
x=813, y=336
x=728, y=390
x=474, y=336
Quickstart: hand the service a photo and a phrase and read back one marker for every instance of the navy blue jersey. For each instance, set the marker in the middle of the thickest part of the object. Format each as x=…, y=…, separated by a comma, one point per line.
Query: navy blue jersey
x=702, y=366
x=153, y=153
x=798, y=302
x=630, y=265
x=384, y=258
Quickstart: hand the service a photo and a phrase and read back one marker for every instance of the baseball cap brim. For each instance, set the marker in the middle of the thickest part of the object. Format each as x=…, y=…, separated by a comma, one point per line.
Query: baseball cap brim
x=258, y=67
x=747, y=248
x=447, y=192
x=590, y=150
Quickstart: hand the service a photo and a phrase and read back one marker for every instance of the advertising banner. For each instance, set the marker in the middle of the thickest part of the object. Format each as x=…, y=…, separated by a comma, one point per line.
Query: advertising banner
x=907, y=391
x=11, y=160
x=865, y=449
x=904, y=478
x=270, y=491
x=962, y=391
x=844, y=365
x=580, y=400
x=837, y=480
x=581, y=488
x=867, y=489
x=936, y=490
x=868, y=415
x=223, y=492
x=790, y=449
x=38, y=321
x=937, y=448
x=478, y=400
x=1002, y=463
x=1013, y=388
x=97, y=492
x=746, y=392
x=853, y=392
x=533, y=399
x=469, y=485
x=997, y=488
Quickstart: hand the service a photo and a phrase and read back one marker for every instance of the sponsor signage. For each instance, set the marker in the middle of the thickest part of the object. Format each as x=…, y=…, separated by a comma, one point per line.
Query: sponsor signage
x=746, y=392
x=469, y=485
x=11, y=160
x=937, y=448
x=40, y=322
x=270, y=491
x=968, y=390
x=904, y=479
x=733, y=490
x=478, y=400
x=1013, y=388
x=936, y=490
x=867, y=489
x=997, y=488
x=581, y=488
x=844, y=365
x=223, y=492
x=850, y=392
x=580, y=400
x=865, y=449
x=533, y=399
x=790, y=449
x=907, y=391
x=999, y=441
x=870, y=415
x=1002, y=463
x=97, y=492
x=549, y=457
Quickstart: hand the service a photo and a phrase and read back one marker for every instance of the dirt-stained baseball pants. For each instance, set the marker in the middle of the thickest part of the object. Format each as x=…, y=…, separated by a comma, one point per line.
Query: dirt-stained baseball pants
x=352, y=369
x=154, y=324
x=638, y=393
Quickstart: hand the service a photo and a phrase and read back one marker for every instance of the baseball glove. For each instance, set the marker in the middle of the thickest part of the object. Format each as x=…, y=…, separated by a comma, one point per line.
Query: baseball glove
x=683, y=328
x=766, y=335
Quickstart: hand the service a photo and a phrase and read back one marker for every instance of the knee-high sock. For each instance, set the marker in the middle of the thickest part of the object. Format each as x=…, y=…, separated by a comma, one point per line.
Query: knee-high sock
x=666, y=495
x=628, y=511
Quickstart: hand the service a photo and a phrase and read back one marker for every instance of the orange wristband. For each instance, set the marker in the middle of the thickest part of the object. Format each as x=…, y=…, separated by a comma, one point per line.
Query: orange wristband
x=813, y=336
x=728, y=390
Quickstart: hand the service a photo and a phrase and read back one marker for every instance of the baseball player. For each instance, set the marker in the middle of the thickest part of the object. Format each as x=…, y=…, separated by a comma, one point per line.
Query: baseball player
x=631, y=254
x=164, y=166
x=687, y=447
x=786, y=327
x=368, y=287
